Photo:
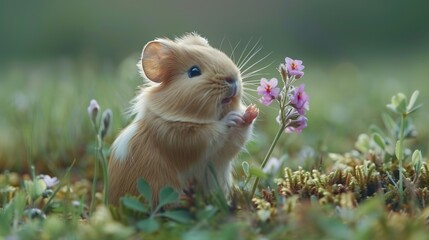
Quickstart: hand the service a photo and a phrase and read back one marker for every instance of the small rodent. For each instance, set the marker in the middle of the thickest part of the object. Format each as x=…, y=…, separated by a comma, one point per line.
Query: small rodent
x=189, y=116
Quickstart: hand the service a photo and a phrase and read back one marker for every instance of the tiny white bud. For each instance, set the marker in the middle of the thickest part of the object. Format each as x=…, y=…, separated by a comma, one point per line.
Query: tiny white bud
x=93, y=110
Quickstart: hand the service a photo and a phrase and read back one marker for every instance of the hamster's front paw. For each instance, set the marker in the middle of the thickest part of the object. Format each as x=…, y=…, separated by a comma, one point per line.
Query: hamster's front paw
x=233, y=119
x=250, y=114
x=236, y=119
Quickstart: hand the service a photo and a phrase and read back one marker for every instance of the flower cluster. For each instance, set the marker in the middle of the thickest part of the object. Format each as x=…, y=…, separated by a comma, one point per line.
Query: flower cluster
x=293, y=101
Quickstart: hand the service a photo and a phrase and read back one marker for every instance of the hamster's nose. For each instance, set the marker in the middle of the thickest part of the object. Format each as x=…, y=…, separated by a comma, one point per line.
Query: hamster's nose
x=230, y=80
x=232, y=86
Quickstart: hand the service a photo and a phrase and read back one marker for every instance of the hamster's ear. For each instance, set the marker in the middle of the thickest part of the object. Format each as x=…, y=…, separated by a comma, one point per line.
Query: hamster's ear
x=154, y=60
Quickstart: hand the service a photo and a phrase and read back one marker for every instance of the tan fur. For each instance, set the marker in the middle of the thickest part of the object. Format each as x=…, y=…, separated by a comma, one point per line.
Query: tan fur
x=182, y=124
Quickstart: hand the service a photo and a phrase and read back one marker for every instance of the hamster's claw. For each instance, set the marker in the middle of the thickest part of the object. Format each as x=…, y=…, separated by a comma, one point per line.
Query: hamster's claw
x=250, y=114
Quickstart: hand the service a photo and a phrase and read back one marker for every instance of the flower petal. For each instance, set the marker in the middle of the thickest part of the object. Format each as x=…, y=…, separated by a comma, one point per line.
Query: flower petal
x=266, y=100
x=264, y=82
x=288, y=60
x=275, y=92
x=261, y=90
x=273, y=82
x=299, y=67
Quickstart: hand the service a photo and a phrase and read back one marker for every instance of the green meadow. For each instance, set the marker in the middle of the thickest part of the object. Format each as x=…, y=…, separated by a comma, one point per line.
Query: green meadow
x=341, y=178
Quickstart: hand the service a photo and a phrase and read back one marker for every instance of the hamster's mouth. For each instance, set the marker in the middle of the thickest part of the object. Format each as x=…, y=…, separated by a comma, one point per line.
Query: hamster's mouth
x=231, y=96
x=226, y=100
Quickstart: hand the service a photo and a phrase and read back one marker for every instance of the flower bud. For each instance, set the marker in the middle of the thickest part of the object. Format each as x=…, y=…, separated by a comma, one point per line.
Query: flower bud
x=93, y=110
x=283, y=72
x=105, y=124
x=297, y=125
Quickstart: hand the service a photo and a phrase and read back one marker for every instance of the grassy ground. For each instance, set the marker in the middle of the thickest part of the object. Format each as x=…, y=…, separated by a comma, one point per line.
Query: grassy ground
x=44, y=122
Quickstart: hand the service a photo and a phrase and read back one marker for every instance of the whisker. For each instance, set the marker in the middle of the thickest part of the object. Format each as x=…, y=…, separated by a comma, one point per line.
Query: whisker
x=247, y=80
x=247, y=98
x=242, y=53
x=249, y=56
x=254, y=74
x=235, y=48
x=249, y=89
x=221, y=42
x=232, y=51
x=246, y=57
x=257, y=62
x=251, y=83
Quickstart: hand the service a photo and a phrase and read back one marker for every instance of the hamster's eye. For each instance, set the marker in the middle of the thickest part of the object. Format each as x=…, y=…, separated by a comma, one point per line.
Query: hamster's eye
x=194, y=71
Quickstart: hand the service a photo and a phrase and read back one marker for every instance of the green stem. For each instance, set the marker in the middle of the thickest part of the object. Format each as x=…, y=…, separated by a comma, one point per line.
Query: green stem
x=94, y=180
x=33, y=172
x=104, y=169
x=33, y=176
x=401, y=157
x=264, y=162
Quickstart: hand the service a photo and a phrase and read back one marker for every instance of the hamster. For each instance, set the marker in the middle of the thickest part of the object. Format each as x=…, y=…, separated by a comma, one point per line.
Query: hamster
x=188, y=120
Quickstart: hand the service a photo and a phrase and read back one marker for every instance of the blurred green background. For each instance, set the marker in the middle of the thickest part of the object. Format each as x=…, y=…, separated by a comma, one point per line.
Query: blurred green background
x=55, y=56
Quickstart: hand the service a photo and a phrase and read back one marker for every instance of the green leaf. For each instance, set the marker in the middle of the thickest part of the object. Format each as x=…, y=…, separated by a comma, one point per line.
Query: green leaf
x=412, y=100
x=180, y=216
x=398, y=103
x=256, y=171
x=245, y=166
x=144, y=189
x=134, y=204
x=414, y=109
x=148, y=225
x=398, y=150
x=390, y=124
x=167, y=195
x=417, y=158
x=392, y=107
x=379, y=140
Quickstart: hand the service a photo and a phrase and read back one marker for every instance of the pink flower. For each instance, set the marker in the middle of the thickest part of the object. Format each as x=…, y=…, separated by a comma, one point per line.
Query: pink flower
x=268, y=90
x=294, y=67
x=50, y=182
x=297, y=125
x=299, y=100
